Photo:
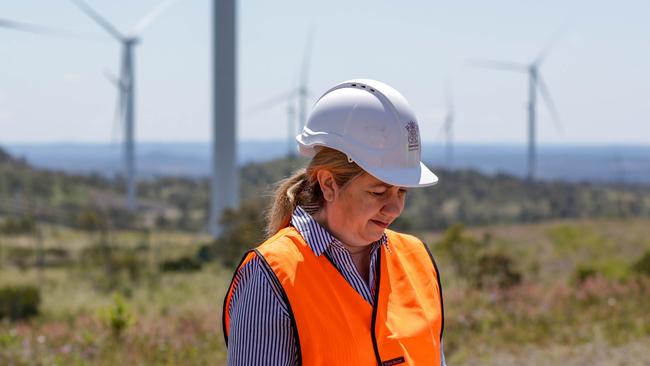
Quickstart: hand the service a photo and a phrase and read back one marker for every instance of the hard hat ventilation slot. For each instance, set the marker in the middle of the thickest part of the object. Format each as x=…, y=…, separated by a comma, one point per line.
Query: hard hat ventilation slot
x=363, y=87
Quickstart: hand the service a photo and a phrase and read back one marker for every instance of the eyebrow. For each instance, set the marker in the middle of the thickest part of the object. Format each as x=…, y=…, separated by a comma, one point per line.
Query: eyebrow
x=387, y=186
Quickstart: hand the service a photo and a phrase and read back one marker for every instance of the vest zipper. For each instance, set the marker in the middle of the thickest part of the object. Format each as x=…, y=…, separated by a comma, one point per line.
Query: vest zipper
x=374, y=307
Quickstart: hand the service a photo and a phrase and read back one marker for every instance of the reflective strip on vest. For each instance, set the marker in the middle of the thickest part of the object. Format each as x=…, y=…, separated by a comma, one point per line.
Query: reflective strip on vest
x=334, y=323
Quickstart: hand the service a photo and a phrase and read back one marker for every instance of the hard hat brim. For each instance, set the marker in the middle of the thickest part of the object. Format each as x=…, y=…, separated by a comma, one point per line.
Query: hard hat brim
x=420, y=176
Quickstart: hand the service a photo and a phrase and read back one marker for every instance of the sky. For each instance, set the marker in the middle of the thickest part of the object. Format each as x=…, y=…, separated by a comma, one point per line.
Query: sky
x=55, y=90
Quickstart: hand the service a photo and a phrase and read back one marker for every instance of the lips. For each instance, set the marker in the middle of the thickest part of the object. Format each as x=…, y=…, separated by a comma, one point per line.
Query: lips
x=380, y=223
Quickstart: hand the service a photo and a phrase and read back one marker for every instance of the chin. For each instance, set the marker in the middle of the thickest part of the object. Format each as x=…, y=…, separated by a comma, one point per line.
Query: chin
x=374, y=235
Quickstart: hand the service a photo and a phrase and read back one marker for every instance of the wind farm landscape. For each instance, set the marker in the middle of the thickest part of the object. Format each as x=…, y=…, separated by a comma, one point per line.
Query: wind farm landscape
x=128, y=197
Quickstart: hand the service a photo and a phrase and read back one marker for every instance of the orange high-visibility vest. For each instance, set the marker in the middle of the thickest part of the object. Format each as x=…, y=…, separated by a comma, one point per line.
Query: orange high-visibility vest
x=335, y=325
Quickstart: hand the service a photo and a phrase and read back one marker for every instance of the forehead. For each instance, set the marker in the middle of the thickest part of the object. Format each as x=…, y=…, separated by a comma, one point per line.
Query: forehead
x=366, y=180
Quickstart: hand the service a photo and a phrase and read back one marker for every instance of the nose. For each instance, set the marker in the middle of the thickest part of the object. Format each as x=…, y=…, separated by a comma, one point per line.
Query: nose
x=393, y=205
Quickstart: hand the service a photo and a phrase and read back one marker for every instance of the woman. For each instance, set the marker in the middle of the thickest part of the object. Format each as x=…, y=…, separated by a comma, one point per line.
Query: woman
x=332, y=285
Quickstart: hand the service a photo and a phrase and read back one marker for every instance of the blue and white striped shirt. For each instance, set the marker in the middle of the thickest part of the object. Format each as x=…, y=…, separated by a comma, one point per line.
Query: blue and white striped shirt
x=260, y=324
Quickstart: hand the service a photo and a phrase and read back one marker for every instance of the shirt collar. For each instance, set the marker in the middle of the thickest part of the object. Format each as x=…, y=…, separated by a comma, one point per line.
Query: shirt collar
x=316, y=236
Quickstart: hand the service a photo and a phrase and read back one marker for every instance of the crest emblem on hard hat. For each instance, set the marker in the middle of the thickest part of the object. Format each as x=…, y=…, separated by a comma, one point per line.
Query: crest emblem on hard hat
x=413, y=135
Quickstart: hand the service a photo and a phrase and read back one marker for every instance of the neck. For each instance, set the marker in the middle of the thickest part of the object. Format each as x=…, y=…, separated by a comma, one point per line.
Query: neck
x=358, y=251
x=360, y=254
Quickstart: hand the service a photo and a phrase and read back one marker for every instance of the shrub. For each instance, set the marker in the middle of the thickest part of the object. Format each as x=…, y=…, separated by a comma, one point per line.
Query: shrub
x=463, y=251
x=118, y=316
x=90, y=221
x=56, y=257
x=19, y=256
x=97, y=254
x=207, y=252
x=496, y=270
x=243, y=230
x=116, y=265
x=127, y=260
x=19, y=302
x=642, y=266
x=23, y=257
x=22, y=225
x=583, y=273
x=182, y=264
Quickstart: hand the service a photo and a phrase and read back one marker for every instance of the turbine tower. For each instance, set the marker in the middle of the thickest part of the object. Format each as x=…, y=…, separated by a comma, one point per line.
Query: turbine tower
x=303, y=91
x=291, y=129
x=535, y=83
x=449, y=127
x=126, y=87
x=224, y=187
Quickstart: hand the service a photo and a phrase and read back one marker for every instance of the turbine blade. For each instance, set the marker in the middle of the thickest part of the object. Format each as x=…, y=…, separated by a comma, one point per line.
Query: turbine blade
x=146, y=20
x=118, y=115
x=557, y=35
x=306, y=60
x=10, y=24
x=98, y=19
x=125, y=75
x=113, y=79
x=499, y=65
x=32, y=28
x=274, y=101
x=546, y=95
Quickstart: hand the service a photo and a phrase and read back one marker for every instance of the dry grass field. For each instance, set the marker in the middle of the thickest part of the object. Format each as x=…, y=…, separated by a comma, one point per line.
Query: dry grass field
x=577, y=300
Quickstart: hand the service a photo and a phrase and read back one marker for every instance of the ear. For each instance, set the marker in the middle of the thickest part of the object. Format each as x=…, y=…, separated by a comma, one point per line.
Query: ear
x=327, y=184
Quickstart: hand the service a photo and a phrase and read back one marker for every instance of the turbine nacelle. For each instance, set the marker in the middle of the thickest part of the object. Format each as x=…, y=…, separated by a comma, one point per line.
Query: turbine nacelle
x=131, y=41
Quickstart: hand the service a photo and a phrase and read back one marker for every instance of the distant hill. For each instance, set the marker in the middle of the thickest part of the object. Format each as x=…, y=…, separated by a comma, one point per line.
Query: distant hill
x=614, y=164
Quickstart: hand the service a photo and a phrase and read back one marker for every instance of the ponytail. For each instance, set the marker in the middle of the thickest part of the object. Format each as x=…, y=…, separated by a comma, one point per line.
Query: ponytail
x=285, y=201
x=302, y=188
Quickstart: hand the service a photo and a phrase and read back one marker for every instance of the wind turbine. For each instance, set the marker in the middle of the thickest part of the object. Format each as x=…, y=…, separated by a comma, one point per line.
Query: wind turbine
x=126, y=81
x=294, y=96
x=535, y=83
x=290, y=98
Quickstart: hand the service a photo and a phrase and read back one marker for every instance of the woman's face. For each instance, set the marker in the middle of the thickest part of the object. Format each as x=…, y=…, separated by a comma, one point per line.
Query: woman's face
x=358, y=213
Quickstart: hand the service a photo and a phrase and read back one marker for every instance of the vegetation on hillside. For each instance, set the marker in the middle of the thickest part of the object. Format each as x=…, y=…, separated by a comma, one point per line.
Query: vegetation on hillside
x=180, y=203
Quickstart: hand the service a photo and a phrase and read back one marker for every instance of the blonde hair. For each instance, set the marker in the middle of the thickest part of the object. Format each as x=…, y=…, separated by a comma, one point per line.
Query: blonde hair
x=302, y=188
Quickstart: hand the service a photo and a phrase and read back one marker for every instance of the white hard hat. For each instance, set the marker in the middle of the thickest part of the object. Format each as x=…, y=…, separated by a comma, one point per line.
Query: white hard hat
x=374, y=126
